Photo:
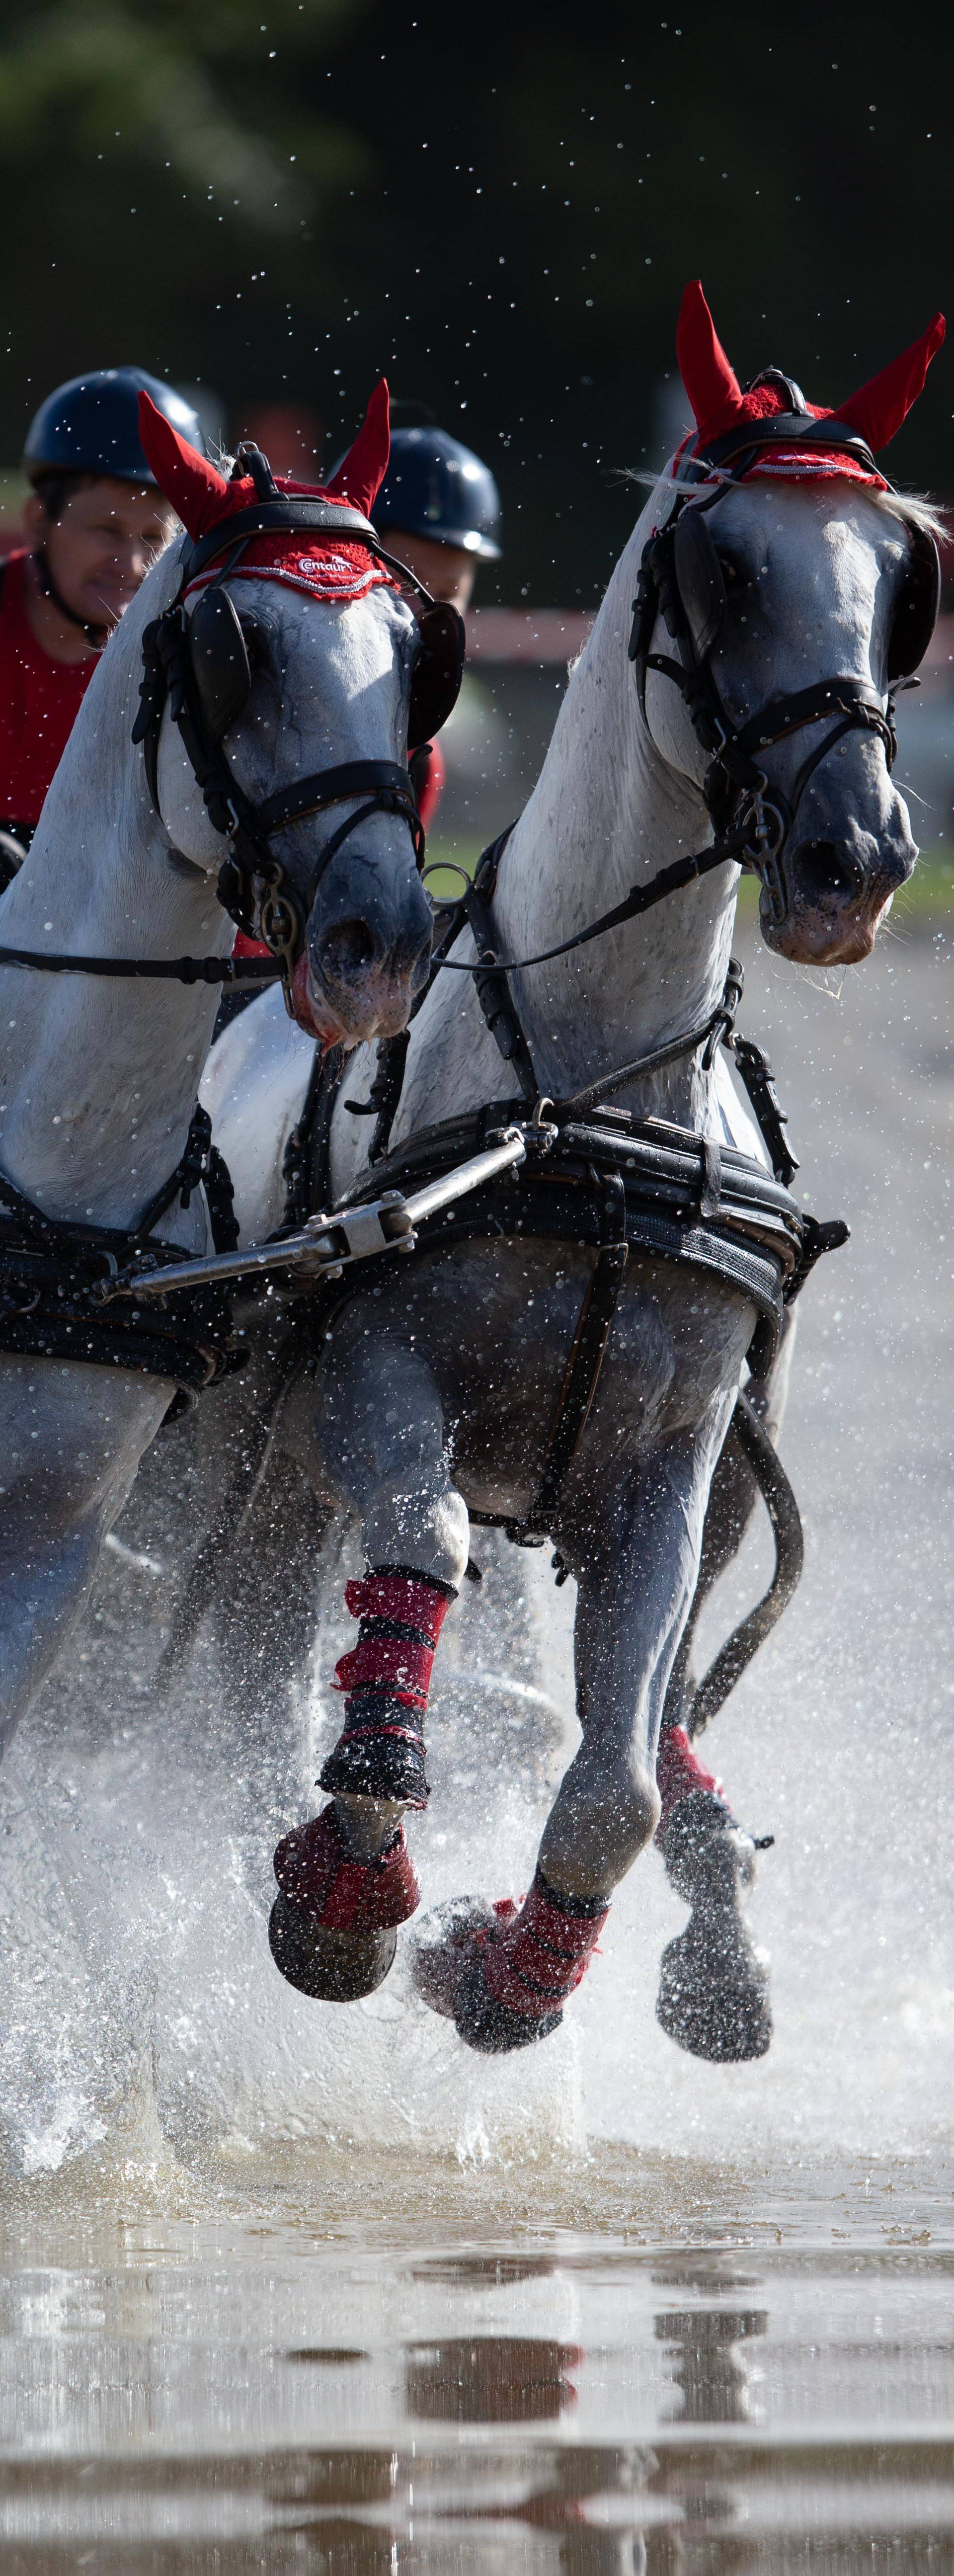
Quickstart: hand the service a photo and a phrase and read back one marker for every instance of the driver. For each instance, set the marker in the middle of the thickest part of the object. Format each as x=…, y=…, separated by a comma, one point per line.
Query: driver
x=93, y=523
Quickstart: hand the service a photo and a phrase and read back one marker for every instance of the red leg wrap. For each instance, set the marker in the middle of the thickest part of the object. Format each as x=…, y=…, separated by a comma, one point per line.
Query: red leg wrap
x=679, y=1771
x=541, y=1953
x=387, y=1675
x=315, y=1872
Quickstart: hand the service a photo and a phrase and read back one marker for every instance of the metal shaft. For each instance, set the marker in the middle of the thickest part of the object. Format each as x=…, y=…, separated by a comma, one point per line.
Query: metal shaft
x=334, y=1242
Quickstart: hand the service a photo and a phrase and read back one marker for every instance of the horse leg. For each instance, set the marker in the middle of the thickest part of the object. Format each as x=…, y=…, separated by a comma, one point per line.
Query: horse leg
x=346, y=1880
x=713, y=1997
x=71, y=1438
x=505, y=1975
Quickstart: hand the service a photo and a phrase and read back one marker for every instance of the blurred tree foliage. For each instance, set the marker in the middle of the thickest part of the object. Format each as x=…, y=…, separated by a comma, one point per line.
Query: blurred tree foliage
x=500, y=209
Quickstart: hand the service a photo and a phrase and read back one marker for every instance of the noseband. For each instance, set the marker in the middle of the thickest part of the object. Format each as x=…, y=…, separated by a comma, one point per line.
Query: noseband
x=206, y=694
x=681, y=579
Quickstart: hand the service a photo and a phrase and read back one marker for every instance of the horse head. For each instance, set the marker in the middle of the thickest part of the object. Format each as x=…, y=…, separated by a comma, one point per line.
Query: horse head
x=800, y=590
x=290, y=667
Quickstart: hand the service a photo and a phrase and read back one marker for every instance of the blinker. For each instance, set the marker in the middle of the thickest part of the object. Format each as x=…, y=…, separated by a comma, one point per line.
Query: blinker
x=916, y=610
x=219, y=657
x=700, y=581
x=438, y=671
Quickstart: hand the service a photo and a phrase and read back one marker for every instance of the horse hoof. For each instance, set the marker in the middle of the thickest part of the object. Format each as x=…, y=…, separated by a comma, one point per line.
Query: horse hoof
x=441, y=1948
x=715, y=2007
x=491, y=2027
x=333, y=1967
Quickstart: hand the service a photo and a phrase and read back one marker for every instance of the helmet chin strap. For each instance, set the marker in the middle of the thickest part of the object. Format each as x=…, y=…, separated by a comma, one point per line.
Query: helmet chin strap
x=95, y=635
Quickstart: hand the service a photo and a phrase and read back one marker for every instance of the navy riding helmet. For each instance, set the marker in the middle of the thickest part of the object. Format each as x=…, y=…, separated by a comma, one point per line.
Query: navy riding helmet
x=436, y=488
x=91, y=426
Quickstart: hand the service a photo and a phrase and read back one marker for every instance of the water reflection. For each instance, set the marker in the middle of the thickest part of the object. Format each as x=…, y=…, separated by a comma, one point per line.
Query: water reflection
x=260, y=2402
x=707, y=2365
x=492, y=2379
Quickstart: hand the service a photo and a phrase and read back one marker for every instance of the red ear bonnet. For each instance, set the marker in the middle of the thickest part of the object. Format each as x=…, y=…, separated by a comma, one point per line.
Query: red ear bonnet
x=361, y=473
x=328, y=567
x=202, y=497
x=197, y=492
x=719, y=404
x=711, y=384
x=881, y=405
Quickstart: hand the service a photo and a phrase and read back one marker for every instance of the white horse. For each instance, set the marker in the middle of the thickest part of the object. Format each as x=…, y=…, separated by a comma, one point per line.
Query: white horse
x=98, y=1078
x=429, y=1394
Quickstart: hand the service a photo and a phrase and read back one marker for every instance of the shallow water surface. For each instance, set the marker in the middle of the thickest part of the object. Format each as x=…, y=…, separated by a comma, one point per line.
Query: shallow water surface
x=396, y=2365
x=289, y=2287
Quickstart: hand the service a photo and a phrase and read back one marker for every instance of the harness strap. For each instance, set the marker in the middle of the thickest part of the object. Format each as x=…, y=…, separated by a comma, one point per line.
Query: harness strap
x=190, y=1171
x=46, y=1310
x=177, y=970
x=671, y=880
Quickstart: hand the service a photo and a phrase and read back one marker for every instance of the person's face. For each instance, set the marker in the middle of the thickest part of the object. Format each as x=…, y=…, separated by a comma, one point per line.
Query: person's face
x=448, y=572
x=100, y=547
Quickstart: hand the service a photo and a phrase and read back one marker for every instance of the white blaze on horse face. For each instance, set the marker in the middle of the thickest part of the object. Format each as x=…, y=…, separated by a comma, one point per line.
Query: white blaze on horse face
x=329, y=686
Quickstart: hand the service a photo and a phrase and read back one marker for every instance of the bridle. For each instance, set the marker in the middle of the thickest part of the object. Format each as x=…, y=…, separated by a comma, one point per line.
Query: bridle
x=200, y=665
x=681, y=579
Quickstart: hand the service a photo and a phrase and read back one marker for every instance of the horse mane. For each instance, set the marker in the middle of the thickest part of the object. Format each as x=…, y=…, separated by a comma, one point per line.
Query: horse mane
x=915, y=510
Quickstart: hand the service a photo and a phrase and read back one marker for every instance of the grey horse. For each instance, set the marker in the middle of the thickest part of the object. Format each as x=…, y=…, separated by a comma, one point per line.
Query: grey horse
x=428, y=1395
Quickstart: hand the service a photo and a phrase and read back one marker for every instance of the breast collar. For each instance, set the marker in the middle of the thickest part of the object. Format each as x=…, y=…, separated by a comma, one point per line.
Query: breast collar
x=253, y=885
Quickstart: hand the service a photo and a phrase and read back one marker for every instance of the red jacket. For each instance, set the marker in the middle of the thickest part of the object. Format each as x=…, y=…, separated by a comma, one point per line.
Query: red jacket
x=39, y=702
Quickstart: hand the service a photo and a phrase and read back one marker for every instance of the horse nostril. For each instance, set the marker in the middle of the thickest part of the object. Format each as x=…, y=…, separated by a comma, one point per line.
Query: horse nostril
x=823, y=871
x=347, y=949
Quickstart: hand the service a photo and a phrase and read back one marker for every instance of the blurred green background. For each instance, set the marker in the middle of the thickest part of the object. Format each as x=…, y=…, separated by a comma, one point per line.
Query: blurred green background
x=496, y=205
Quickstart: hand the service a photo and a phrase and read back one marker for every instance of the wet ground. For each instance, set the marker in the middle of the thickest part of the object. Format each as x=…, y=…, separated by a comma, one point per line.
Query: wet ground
x=285, y=2288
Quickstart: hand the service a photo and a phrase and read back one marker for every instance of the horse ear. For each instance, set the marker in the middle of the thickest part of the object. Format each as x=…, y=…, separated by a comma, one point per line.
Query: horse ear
x=711, y=384
x=361, y=473
x=189, y=481
x=881, y=405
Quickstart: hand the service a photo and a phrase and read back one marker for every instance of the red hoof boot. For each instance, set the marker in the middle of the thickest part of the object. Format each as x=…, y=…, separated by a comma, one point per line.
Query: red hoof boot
x=516, y=1976
x=333, y=1924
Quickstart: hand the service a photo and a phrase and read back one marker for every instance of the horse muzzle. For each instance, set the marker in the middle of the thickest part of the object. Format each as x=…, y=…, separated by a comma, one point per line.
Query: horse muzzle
x=349, y=987
x=835, y=896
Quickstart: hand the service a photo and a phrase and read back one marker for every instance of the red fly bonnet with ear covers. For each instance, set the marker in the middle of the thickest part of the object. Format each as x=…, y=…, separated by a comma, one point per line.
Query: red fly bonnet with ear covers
x=793, y=438
x=320, y=541
x=769, y=429
x=204, y=500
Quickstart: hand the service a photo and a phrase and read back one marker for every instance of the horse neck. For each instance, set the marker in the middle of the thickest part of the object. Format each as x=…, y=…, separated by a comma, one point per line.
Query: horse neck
x=98, y=1078
x=607, y=813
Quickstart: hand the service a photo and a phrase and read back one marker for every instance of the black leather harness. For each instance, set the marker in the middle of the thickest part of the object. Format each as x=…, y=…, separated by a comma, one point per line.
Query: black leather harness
x=595, y=1176
x=50, y=1269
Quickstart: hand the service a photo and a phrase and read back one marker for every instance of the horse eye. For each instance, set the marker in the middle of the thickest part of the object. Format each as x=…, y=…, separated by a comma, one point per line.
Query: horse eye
x=732, y=573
